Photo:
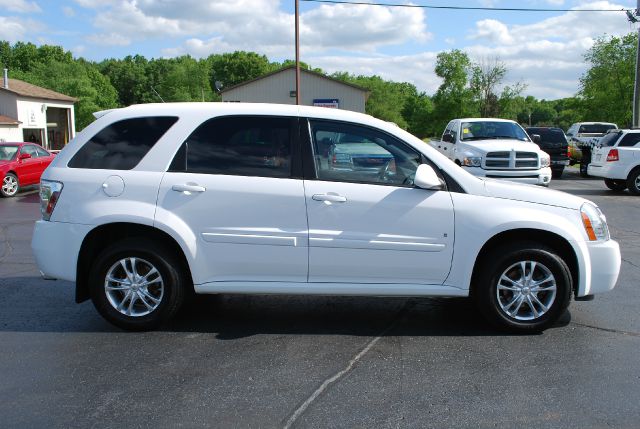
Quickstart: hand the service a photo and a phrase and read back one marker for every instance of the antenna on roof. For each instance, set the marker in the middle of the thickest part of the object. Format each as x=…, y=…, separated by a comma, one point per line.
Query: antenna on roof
x=156, y=93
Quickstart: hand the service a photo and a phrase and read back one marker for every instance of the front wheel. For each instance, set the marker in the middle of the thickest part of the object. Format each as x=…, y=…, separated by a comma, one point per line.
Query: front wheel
x=137, y=285
x=616, y=185
x=523, y=288
x=10, y=185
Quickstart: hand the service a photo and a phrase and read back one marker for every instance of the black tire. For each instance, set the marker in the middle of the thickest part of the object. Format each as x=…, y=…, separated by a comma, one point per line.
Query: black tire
x=504, y=258
x=616, y=185
x=556, y=173
x=583, y=169
x=633, y=181
x=168, y=302
x=9, y=191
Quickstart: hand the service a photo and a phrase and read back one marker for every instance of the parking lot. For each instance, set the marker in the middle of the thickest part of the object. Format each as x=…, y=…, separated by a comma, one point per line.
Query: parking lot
x=287, y=361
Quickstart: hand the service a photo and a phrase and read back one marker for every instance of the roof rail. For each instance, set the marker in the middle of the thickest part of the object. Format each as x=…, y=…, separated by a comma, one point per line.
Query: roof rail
x=99, y=114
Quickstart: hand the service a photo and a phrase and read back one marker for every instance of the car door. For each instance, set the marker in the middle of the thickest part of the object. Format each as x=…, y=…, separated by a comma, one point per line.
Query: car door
x=232, y=188
x=28, y=168
x=448, y=147
x=45, y=159
x=367, y=222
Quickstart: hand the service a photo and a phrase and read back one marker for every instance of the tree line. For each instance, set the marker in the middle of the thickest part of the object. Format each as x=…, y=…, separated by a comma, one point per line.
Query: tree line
x=468, y=89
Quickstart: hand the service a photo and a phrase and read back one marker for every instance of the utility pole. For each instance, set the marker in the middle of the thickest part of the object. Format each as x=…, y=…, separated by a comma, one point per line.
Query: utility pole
x=636, y=91
x=298, y=50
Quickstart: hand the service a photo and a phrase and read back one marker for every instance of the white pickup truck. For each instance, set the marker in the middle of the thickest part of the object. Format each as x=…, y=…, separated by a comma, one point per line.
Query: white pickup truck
x=496, y=148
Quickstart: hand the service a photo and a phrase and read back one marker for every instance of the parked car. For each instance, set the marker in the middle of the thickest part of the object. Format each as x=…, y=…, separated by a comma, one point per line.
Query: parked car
x=583, y=136
x=617, y=159
x=552, y=141
x=154, y=201
x=495, y=148
x=21, y=164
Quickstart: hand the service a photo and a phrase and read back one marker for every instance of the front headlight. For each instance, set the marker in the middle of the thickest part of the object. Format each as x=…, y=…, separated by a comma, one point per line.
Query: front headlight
x=594, y=222
x=545, y=161
x=472, y=161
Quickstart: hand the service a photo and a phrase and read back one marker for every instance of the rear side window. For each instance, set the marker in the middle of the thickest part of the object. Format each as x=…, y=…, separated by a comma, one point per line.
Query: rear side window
x=123, y=144
x=239, y=146
x=629, y=140
x=609, y=139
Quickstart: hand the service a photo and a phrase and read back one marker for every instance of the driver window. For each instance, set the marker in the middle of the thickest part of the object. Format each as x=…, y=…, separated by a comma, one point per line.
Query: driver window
x=351, y=153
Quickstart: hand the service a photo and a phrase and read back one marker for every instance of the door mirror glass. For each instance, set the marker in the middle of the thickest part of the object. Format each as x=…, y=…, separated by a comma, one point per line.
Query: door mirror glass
x=426, y=178
x=448, y=138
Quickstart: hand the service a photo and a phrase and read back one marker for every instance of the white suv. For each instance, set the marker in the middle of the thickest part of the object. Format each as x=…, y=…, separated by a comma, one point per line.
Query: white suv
x=152, y=202
x=617, y=160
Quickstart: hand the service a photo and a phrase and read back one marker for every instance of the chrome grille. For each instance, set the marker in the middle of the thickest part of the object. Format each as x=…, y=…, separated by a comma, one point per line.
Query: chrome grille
x=511, y=160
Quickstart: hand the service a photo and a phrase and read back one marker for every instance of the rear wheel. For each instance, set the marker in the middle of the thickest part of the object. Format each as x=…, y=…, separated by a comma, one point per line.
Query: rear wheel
x=10, y=185
x=616, y=185
x=557, y=173
x=523, y=288
x=583, y=169
x=137, y=285
x=633, y=182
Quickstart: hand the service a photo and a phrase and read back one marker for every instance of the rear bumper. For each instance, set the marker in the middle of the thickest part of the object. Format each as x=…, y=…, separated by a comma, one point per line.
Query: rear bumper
x=606, y=170
x=56, y=246
x=534, y=177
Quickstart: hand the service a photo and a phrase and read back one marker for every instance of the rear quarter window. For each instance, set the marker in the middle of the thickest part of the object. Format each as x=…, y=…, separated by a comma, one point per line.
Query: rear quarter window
x=122, y=145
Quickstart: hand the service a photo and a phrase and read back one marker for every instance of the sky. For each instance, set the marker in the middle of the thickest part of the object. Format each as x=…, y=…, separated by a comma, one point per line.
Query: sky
x=543, y=50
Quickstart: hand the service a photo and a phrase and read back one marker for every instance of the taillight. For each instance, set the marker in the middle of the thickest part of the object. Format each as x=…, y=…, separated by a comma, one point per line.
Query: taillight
x=49, y=195
x=613, y=155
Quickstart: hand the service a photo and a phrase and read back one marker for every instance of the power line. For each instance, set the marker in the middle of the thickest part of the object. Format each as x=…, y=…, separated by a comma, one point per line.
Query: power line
x=501, y=9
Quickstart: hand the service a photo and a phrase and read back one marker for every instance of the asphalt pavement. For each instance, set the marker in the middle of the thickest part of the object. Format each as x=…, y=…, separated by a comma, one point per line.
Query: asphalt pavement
x=288, y=361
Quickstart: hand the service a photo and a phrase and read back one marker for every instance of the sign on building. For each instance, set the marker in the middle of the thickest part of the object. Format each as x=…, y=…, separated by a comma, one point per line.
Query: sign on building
x=332, y=103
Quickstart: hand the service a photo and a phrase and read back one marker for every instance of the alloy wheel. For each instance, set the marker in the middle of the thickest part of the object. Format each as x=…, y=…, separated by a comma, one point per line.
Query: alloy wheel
x=134, y=287
x=9, y=185
x=526, y=290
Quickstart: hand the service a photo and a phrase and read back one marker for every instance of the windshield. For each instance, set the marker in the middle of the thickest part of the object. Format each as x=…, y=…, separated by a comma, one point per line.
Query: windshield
x=548, y=135
x=7, y=153
x=596, y=128
x=610, y=139
x=484, y=130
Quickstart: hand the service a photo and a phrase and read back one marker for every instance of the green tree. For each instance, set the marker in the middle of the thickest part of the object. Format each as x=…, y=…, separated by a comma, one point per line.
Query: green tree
x=454, y=98
x=485, y=77
x=237, y=67
x=607, y=86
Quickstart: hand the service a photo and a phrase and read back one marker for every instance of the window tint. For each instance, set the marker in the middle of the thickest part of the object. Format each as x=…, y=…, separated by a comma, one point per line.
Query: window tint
x=121, y=145
x=30, y=149
x=548, y=135
x=609, y=139
x=486, y=130
x=629, y=140
x=42, y=152
x=351, y=153
x=595, y=128
x=241, y=146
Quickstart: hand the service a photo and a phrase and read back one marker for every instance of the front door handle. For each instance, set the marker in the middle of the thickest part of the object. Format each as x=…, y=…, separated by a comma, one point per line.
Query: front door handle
x=188, y=188
x=332, y=198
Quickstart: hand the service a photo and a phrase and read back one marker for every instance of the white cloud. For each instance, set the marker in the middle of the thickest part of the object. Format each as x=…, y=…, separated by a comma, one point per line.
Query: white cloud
x=68, y=11
x=109, y=39
x=20, y=6
x=260, y=25
x=15, y=29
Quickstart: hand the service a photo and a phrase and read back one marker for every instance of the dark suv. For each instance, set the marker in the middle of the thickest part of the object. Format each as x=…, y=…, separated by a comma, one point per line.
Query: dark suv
x=554, y=142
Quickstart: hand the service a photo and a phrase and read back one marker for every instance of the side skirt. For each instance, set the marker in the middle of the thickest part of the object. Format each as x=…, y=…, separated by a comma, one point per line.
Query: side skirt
x=343, y=289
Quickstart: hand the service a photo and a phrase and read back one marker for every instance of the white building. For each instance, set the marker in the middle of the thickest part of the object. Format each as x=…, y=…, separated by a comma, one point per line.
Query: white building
x=315, y=90
x=33, y=114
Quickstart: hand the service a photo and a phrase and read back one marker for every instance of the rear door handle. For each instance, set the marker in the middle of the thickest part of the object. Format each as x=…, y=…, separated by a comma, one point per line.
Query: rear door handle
x=332, y=198
x=188, y=188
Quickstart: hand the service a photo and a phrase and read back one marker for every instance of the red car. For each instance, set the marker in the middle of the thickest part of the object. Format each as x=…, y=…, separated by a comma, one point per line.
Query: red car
x=21, y=164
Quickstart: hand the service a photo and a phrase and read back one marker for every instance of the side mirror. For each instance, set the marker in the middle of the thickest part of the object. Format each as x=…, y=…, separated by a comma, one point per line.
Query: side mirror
x=536, y=138
x=24, y=156
x=426, y=178
x=448, y=138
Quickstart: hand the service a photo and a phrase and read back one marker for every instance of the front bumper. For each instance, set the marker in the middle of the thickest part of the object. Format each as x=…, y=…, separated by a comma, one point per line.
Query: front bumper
x=534, y=177
x=56, y=247
x=603, y=268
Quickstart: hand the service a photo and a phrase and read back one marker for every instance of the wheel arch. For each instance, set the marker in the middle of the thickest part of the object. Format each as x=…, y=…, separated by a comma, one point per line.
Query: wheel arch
x=550, y=239
x=104, y=235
